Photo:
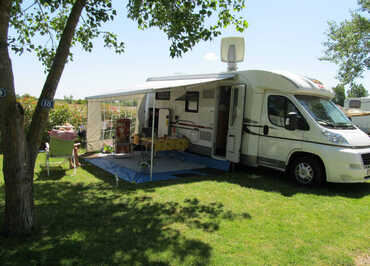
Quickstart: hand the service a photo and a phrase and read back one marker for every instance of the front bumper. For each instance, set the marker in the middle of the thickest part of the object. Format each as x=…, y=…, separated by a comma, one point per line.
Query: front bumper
x=345, y=165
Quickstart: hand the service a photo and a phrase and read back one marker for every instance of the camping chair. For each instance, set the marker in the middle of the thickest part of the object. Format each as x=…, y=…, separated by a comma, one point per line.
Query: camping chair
x=60, y=149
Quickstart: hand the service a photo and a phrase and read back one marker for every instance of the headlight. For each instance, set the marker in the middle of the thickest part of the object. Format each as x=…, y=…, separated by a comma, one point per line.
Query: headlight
x=334, y=137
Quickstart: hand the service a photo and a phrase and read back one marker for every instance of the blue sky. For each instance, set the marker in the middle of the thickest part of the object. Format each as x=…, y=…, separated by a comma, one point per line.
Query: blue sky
x=282, y=35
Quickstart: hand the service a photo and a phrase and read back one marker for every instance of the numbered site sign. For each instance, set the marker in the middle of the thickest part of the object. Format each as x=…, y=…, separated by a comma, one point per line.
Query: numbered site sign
x=2, y=92
x=46, y=103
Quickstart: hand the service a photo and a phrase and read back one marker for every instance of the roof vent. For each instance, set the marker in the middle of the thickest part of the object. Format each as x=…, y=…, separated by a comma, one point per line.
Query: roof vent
x=232, y=51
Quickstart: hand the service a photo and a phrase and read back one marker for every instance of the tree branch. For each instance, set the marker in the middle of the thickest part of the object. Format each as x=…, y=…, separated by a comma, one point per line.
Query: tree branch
x=50, y=35
x=41, y=114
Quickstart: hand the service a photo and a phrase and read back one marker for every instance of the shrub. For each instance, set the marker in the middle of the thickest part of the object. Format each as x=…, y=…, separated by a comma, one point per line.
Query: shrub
x=75, y=114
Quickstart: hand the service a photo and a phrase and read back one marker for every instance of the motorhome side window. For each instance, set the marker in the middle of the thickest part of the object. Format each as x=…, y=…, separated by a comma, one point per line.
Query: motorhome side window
x=192, y=101
x=162, y=95
x=279, y=107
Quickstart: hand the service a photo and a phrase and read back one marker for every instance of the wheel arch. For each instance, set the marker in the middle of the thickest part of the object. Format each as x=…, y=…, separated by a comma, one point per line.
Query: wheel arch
x=298, y=154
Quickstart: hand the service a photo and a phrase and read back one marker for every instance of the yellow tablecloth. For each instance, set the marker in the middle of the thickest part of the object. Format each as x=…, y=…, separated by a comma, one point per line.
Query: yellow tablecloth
x=167, y=144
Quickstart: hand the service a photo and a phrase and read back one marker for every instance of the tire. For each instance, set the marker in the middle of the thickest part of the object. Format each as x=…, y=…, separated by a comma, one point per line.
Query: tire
x=307, y=171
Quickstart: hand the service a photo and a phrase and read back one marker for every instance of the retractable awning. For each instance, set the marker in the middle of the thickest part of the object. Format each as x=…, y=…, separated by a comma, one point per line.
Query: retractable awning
x=161, y=83
x=150, y=86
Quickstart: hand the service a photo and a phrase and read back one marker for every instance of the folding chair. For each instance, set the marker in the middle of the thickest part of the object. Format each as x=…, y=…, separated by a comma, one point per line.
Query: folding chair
x=60, y=149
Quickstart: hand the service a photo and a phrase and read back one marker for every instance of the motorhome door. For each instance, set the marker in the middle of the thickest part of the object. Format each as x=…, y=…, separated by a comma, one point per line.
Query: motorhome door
x=234, y=134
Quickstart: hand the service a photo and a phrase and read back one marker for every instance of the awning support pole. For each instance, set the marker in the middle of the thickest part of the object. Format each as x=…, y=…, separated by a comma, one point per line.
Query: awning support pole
x=152, y=150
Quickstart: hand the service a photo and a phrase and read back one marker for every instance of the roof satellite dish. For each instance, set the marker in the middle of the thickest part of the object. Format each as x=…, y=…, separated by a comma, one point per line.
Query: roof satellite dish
x=232, y=51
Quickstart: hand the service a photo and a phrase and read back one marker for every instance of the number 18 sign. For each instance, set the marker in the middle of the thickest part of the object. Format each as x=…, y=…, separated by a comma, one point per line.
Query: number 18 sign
x=46, y=103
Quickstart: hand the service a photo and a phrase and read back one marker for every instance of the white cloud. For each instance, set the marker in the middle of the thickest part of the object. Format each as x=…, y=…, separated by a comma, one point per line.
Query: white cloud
x=210, y=57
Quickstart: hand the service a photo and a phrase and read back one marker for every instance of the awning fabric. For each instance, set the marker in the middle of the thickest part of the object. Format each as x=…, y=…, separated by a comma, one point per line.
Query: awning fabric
x=157, y=84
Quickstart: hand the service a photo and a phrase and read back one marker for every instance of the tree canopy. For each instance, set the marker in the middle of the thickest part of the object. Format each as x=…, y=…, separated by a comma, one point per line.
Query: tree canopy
x=38, y=25
x=357, y=90
x=347, y=44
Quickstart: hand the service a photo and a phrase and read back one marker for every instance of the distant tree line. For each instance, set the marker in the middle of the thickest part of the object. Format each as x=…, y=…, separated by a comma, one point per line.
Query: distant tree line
x=357, y=90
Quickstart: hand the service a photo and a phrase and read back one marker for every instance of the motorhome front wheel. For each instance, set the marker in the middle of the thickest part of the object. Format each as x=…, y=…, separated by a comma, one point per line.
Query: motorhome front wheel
x=307, y=171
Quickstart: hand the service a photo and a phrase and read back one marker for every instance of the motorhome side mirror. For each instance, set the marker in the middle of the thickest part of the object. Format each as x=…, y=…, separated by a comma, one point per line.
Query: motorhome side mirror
x=291, y=121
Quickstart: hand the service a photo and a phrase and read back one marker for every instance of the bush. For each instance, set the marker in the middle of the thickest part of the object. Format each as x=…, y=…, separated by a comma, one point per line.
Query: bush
x=75, y=114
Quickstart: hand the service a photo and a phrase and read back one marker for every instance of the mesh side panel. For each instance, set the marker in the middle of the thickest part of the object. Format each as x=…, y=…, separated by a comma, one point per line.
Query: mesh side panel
x=208, y=94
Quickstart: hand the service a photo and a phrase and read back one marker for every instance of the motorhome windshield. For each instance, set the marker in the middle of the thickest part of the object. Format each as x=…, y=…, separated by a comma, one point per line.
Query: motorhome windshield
x=325, y=112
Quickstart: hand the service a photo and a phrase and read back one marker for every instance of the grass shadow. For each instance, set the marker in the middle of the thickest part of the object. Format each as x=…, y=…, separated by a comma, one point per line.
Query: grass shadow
x=95, y=225
x=257, y=178
x=56, y=173
x=275, y=181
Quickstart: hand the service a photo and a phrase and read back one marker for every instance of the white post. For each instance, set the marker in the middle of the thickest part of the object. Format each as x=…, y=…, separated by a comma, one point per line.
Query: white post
x=103, y=121
x=152, y=151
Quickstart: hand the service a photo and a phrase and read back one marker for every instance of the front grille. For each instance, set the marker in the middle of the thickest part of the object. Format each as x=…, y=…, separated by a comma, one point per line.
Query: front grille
x=366, y=158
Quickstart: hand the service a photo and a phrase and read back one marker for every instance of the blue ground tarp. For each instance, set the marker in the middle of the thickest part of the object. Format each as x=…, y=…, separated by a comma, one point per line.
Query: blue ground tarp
x=166, y=166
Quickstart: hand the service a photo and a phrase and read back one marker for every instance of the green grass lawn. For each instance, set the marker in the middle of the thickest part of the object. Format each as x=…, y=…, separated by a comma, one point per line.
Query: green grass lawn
x=249, y=217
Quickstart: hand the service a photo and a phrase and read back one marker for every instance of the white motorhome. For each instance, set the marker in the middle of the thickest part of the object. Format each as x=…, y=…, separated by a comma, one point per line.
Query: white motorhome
x=258, y=118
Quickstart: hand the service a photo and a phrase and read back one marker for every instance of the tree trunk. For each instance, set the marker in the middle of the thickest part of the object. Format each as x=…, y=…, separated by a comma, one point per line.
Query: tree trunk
x=19, y=217
x=18, y=174
x=20, y=152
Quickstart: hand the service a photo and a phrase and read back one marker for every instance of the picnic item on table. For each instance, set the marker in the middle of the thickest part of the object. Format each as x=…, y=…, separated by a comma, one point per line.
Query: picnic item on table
x=65, y=132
